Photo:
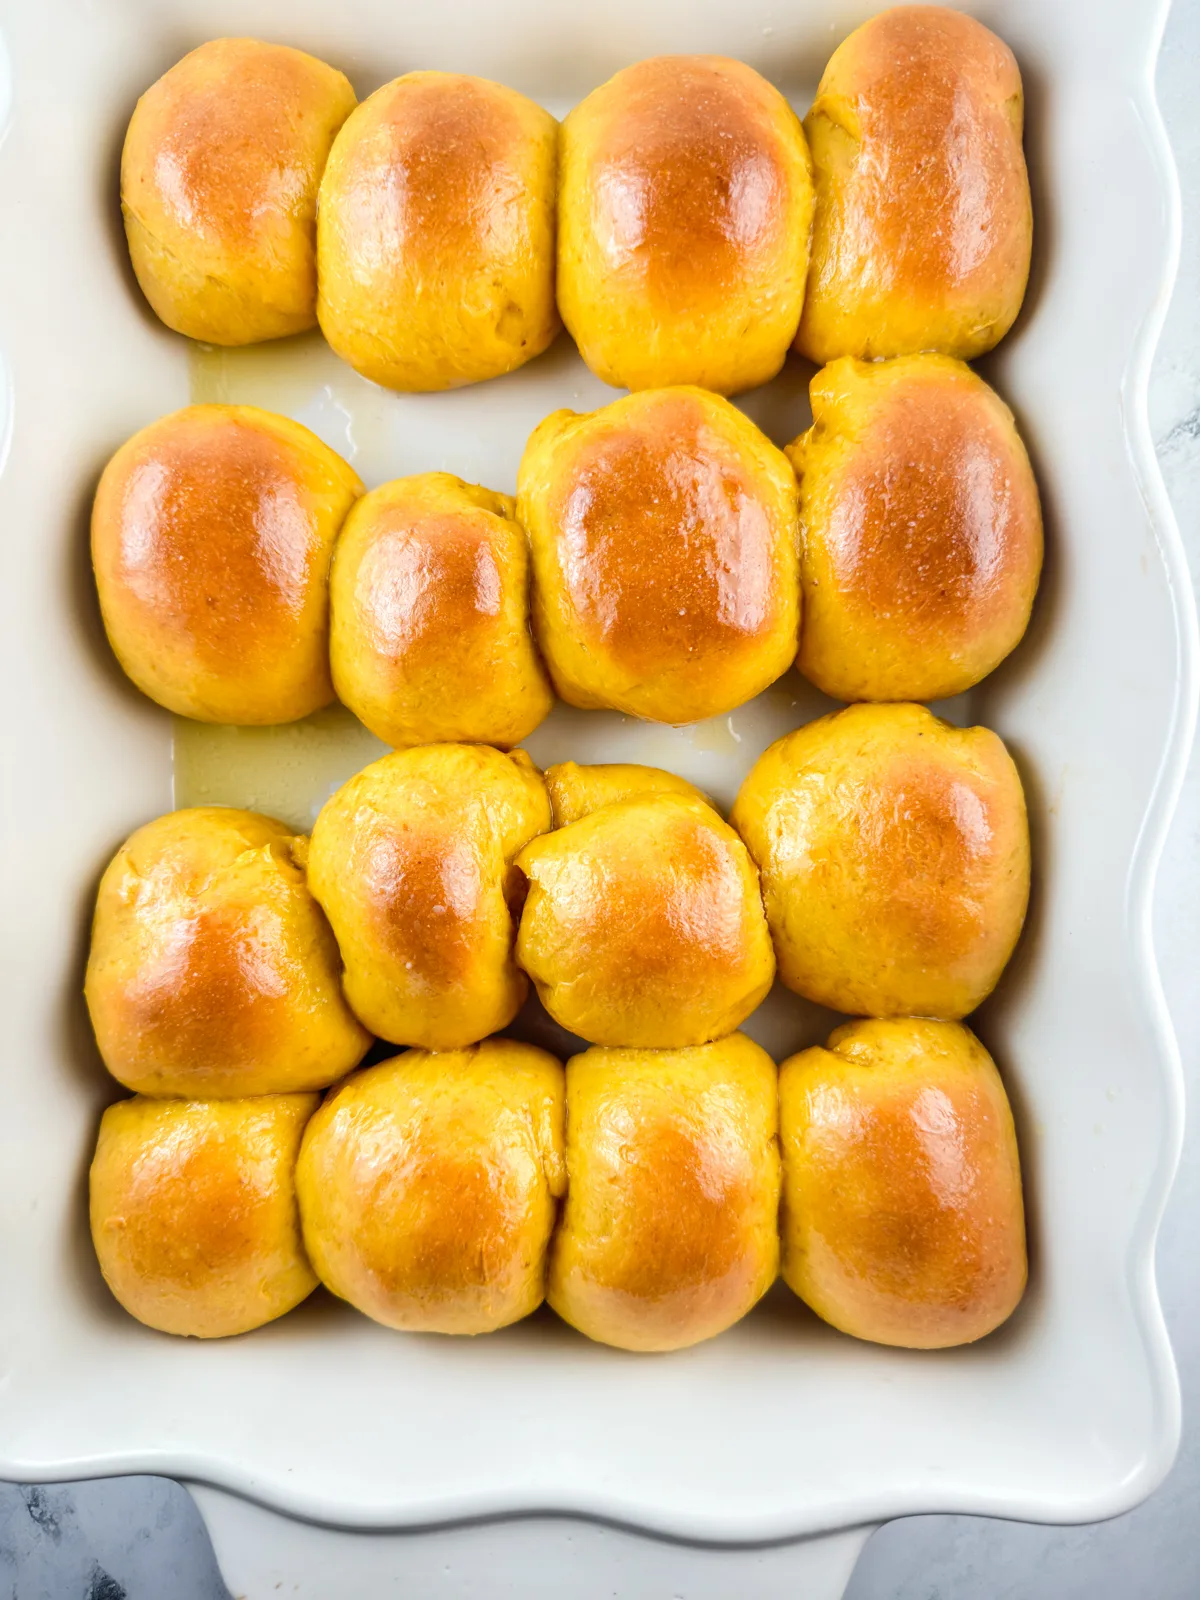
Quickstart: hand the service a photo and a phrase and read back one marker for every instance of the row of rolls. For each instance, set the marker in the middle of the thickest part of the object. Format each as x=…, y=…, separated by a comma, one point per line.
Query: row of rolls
x=682, y=221
x=662, y=558
x=651, y=1196
x=877, y=860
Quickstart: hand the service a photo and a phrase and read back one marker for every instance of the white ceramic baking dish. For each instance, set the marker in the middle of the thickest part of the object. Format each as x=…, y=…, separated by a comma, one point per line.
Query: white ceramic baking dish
x=780, y=1428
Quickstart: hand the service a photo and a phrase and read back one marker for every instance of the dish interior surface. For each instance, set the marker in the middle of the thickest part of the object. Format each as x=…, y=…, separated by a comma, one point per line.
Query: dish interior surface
x=780, y=1426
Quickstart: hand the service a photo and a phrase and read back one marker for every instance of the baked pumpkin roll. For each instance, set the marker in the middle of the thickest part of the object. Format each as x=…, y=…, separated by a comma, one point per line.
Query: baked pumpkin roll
x=428, y=1186
x=435, y=233
x=894, y=855
x=412, y=860
x=669, y=1230
x=575, y=791
x=923, y=227
x=902, y=1219
x=643, y=922
x=684, y=207
x=921, y=530
x=212, y=970
x=664, y=537
x=193, y=1211
x=429, y=616
x=219, y=176
x=212, y=535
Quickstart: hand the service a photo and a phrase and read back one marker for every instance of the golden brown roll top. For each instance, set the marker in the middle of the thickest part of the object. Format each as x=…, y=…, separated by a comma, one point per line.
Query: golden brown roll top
x=429, y=603
x=643, y=924
x=219, y=178
x=575, y=791
x=428, y=1184
x=212, y=971
x=665, y=564
x=902, y=1220
x=921, y=530
x=685, y=200
x=668, y=1233
x=411, y=860
x=436, y=233
x=922, y=229
x=212, y=531
x=193, y=1211
x=894, y=854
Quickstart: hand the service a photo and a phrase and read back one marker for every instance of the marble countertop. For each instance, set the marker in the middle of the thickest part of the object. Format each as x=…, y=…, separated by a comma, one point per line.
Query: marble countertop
x=141, y=1538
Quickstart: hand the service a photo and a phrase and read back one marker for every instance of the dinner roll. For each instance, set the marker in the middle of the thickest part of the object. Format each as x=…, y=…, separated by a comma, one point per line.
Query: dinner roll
x=428, y=1184
x=644, y=924
x=668, y=1233
x=922, y=229
x=219, y=179
x=429, y=599
x=435, y=235
x=921, y=530
x=665, y=555
x=193, y=1211
x=902, y=1217
x=212, y=531
x=894, y=852
x=212, y=971
x=685, y=200
x=412, y=861
x=576, y=791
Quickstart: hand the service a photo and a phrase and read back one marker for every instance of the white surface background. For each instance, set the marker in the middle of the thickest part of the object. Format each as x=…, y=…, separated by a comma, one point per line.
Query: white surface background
x=139, y=1538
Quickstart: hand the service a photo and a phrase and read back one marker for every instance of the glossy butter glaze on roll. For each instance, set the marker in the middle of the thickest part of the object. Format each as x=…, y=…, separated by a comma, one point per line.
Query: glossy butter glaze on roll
x=902, y=1217
x=894, y=854
x=212, y=532
x=219, y=178
x=921, y=530
x=193, y=1211
x=212, y=971
x=435, y=234
x=428, y=1184
x=922, y=228
x=685, y=201
x=643, y=923
x=412, y=861
x=669, y=1229
x=429, y=630
x=665, y=555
